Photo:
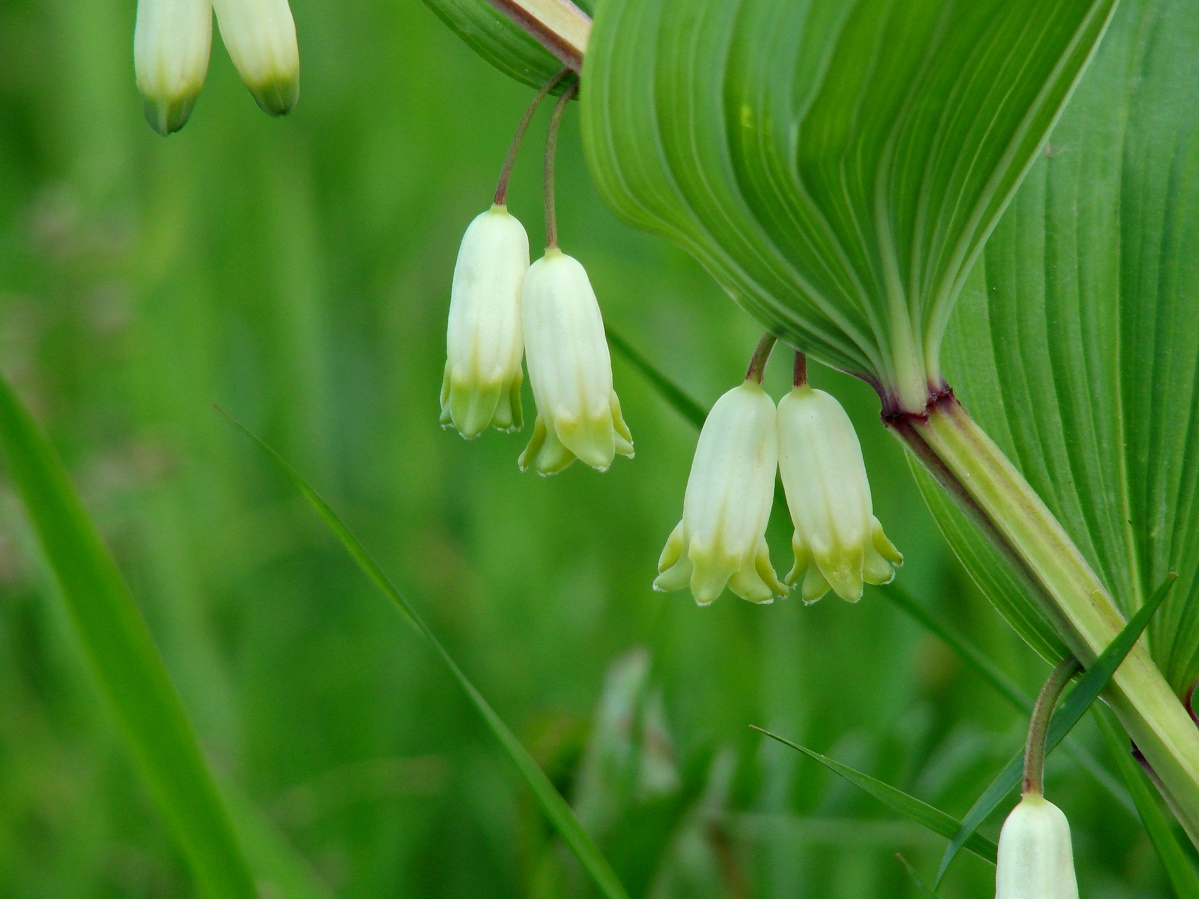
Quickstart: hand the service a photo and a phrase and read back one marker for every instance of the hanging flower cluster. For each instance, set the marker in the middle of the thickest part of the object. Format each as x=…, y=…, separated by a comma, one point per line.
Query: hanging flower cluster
x=503, y=309
x=721, y=539
x=171, y=44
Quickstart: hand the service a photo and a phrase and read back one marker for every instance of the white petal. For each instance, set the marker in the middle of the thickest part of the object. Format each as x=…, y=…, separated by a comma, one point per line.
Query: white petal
x=828, y=495
x=1035, y=857
x=721, y=540
x=570, y=370
x=484, y=344
x=171, y=43
x=260, y=36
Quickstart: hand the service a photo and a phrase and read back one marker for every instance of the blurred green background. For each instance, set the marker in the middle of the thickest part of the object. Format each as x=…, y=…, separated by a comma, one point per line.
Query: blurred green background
x=296, y=273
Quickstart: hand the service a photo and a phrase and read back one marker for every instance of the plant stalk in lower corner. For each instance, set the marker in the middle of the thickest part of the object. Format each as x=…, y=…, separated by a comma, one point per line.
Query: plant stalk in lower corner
x=985, y=484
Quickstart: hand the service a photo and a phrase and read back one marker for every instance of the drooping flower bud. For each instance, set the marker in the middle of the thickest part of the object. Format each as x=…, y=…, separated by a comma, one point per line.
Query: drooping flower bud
x=721, y=540
x=260, y=36
x=484, y=345
x=578, y=414
x=1035, y=858
x=838, y=542
x=171, y=43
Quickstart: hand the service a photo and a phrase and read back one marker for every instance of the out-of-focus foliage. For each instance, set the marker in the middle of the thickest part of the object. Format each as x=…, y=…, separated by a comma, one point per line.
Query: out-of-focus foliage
x=297, y=273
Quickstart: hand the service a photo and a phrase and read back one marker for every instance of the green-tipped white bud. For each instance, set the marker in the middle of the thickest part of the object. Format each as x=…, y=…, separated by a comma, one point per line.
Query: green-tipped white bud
x=484, y=345
x=721, y=540
x=838, y=542
x=1035, y=859
x=578, y=414
x=260, y=36
x=171, y=43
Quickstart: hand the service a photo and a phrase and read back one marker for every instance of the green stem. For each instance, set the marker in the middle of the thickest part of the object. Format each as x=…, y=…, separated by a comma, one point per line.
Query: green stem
x=1038, y=726
x=990, y=489
x=757, y=363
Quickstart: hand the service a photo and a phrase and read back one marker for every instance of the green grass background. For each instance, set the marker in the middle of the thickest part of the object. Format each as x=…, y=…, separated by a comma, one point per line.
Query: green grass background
x=296, y=273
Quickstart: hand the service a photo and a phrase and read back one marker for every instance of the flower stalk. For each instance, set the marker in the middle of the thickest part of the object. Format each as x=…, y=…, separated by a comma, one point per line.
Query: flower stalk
x=985, y=484
x=1038, y=727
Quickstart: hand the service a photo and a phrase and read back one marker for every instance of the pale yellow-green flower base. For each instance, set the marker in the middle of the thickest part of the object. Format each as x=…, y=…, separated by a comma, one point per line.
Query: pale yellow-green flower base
x=844, y=570
x=707, y=571
x=472, y=407
x=167, y=115
x=278, y=94
x=595, y=440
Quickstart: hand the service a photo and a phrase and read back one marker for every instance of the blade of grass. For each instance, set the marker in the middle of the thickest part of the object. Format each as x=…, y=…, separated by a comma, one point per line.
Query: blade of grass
x=990, y=672
x=927, y=816
x=552, y=804
x=674, y=395
x=1179, y=870
x=1072, y=709
x=921, y=887
x=123, y=657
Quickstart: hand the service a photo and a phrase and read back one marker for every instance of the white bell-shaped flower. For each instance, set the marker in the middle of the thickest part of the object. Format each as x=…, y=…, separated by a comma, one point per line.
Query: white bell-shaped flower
x=578, y=414
x=484, y=345
x=260, y=36
x=1035, y=858
x=171, y=43
x=721, y=540
x=838, y=542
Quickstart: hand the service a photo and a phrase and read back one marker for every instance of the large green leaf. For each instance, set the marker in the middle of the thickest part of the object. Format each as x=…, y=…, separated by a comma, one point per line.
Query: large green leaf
x=1076, y=345
x=836, y=164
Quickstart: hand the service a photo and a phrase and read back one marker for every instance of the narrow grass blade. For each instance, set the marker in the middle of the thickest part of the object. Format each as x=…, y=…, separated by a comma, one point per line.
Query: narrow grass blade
x=550, y=800
x=967, y=651
x=910, y=807
x=977, y=661
x=1178, y=867
x=921, y=887
x=123, y=657
x=671, y=392
x=1072, y=709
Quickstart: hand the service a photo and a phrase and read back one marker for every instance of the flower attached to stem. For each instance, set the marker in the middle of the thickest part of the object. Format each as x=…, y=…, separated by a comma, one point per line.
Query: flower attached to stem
x=1035, y=856
x=721, y=539
x=578, y=413
x=260, y=36
x=570, y=369
x=484, y=342
x=838, y=542
x=171, y=44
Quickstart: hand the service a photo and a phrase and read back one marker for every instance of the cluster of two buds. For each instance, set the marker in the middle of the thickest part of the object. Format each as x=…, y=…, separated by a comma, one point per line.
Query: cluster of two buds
x=171, y=45
x=503, y=310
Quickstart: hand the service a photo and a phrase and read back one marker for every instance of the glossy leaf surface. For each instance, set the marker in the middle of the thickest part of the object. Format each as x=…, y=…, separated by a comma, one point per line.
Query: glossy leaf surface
x=836, y=165
x=1076, y=346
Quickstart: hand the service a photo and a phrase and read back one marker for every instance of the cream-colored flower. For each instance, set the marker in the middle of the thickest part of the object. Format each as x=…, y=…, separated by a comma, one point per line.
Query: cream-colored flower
x=838, y=542
x=721, y=540
x=171, y=43
x=484, y=345
x=1035, y=858
x=578, y=414
x=260, y=36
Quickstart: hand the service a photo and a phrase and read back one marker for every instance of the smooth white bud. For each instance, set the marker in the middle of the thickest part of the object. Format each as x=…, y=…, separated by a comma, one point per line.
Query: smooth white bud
x=260, y=36
x=578, y=414
x=838, y=542
x=484, y=345
x=171, y=43
x=721, y=539
x=1035, y=858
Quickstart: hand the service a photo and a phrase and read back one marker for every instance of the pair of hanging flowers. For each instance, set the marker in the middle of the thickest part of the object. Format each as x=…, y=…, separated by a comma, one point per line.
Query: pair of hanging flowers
x=721, y=540
x=171, y=45
x=503, y=311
